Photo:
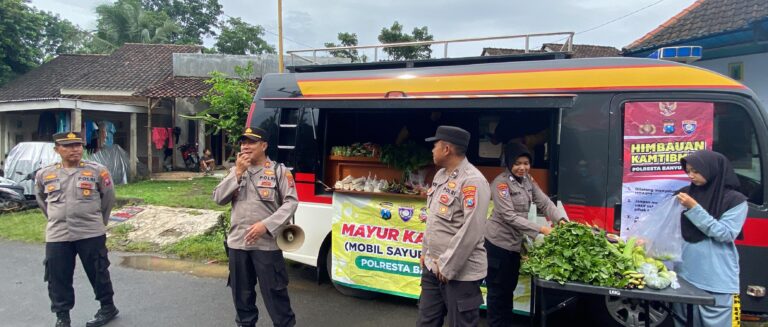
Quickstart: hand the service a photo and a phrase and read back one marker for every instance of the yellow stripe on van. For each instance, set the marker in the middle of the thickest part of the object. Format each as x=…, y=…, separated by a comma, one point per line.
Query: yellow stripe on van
x=646, y=77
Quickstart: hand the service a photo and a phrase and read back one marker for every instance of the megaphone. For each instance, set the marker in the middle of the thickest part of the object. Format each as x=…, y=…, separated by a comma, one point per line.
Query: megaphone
x=290, y=238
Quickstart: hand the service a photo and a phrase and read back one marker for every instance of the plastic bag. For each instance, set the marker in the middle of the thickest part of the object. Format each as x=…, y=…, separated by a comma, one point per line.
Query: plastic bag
x=659, y=229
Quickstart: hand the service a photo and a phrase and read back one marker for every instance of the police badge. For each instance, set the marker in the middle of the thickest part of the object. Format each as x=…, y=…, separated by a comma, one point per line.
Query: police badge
x=689, y=126
x=386, y=210
x=669, y=126
x=406, y=213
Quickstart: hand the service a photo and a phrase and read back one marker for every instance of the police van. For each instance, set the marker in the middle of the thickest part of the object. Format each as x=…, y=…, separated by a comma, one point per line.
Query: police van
x=576, y=108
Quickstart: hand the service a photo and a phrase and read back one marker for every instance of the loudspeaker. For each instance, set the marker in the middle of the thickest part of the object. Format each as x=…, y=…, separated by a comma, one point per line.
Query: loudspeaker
x=290, y=238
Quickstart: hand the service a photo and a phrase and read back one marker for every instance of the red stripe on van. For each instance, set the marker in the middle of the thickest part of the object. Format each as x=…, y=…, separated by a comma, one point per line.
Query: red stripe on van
x=250, y=114
x=755, y=232
x=305, y=189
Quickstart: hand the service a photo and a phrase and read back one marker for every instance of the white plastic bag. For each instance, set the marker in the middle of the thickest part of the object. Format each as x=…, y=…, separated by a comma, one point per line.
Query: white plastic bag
x=659, y=230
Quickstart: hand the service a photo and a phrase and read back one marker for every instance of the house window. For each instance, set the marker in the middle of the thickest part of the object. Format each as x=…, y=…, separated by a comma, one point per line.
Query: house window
x=736, y=70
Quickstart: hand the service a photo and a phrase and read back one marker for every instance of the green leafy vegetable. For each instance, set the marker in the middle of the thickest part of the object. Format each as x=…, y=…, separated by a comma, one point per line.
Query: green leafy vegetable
x=577, y=253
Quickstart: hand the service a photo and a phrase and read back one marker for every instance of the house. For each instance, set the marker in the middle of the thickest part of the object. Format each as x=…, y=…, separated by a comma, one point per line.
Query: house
x=733, y=35
x=137, y=97
x=80, y=92
x=577, y=50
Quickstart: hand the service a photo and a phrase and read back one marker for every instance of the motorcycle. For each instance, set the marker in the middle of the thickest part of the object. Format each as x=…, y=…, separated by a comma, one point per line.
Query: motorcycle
x=12, y=196
x=190, y=156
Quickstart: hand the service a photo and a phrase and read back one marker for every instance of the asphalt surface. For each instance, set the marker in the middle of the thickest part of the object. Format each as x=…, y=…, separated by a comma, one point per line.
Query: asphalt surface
x=157, y=298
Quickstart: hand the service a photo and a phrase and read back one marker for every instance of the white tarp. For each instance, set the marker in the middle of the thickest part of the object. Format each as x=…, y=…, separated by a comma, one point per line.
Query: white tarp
x=27, y=157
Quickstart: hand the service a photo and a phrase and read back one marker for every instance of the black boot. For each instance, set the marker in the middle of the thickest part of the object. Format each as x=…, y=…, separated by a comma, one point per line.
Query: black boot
x=62, y=319
x=103, y=316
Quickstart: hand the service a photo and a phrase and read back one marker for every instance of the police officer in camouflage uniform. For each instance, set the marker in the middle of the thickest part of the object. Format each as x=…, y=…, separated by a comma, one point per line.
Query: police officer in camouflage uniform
x=453, y=252
x=76, y=197
x=263, y=198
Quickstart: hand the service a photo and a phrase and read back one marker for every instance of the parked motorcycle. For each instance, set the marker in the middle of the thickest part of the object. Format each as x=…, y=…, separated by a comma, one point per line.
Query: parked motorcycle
x=190, y=156
x=12, y=196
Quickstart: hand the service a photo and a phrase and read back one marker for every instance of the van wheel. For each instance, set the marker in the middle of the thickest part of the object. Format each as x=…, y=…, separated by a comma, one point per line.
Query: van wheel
x=348, y=291
x=616, y=311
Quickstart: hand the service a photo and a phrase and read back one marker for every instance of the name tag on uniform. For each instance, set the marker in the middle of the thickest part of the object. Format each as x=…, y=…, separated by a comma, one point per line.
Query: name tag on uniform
x=86, y=185
x=86, y=179
x=266, y=184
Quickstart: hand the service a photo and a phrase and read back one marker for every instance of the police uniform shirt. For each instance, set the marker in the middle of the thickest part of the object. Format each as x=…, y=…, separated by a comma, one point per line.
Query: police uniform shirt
x=255, y=198
x=511, y=203
x=458, y=208
x=76, y=201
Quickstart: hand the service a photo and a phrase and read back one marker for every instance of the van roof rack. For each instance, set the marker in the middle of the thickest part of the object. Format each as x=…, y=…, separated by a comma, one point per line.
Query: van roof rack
x=301, y=63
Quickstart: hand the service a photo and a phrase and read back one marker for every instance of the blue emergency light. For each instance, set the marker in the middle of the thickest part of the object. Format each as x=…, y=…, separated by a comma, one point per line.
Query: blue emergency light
x=686, y=54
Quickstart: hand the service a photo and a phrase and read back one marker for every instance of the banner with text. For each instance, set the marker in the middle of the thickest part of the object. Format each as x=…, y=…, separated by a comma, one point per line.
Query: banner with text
x=656, y=136
x=376, y=245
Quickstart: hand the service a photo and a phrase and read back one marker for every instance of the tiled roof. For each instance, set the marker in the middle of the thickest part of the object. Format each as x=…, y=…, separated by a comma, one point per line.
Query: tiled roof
x=177, y=87
x=578, y=50
x=585, y=50
x=132, y=67
x=506, y=52
x=703, y=18
x=44, y=82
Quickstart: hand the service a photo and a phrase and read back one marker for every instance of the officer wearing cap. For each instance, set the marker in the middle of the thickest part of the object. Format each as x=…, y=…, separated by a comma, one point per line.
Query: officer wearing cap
x=76, y=197
x=263, y=199
x=453, y=254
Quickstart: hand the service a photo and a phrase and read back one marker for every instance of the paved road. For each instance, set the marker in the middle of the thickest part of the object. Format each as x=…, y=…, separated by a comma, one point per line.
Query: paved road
x=152, y=298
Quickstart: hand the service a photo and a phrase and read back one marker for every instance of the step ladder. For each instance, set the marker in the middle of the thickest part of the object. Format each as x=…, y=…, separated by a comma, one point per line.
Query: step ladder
x=287, y=134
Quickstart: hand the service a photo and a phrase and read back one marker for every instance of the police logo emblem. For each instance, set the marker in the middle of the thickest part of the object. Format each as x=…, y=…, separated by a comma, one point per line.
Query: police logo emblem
x=406, y=213
x=689, y=126
x=669, y=127
x=385, y=210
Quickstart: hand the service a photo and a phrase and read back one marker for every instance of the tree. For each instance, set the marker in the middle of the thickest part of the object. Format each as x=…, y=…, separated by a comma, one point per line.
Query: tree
x=347, y=40
x=196, y=18
x=395, y=34
x=228, y=102
x=126, y=21
x=28, y=37
x=240, y=38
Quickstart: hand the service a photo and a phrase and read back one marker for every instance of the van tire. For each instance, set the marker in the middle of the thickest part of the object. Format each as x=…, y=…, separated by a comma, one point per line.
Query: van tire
x=348, y=291
x=619, y=312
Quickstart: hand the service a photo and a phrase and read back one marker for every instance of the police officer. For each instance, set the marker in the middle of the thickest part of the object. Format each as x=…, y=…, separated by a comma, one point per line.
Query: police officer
x=514, y=191
x=76, y=197
x=453, y=253
x=263, y=199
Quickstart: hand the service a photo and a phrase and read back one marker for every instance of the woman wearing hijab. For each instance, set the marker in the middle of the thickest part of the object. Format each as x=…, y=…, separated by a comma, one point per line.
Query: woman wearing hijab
x=513, y=193
x=715, y=214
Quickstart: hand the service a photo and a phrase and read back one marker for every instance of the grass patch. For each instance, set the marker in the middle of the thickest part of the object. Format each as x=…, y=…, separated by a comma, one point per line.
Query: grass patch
x=202, y=247
x=196, y=194
x=27, y=226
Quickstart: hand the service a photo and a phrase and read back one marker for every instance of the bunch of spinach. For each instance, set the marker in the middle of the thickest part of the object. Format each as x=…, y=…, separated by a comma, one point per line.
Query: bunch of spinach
x=577, y=253
x=407, y=157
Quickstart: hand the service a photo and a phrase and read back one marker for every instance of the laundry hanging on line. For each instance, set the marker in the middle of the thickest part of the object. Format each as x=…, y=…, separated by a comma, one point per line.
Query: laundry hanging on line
x=160, y=135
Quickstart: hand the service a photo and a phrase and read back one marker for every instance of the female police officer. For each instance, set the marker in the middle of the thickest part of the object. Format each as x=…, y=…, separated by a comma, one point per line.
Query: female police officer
x=513, y=192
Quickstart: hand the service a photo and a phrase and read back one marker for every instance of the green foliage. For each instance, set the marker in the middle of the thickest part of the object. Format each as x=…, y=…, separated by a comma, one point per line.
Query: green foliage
x=346, y=40
x=395, y=34
x=240, y=38
x=126, y=21
x=28, y=37
x=228, y=102
x=577, y=253
x=407, y=157
x=196, y=18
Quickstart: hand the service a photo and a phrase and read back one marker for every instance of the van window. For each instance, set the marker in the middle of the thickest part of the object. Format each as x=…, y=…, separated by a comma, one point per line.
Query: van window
x=735, y=137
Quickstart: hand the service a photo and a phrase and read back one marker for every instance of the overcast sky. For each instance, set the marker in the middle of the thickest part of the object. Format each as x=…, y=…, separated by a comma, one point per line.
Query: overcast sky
x=310, y=23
